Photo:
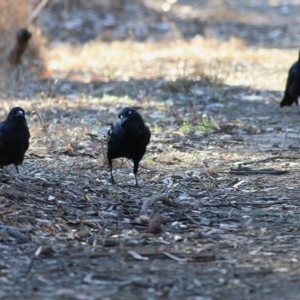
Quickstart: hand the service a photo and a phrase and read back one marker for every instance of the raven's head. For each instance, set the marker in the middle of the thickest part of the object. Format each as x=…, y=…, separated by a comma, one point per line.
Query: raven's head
x=17, y=113
x=129, y=116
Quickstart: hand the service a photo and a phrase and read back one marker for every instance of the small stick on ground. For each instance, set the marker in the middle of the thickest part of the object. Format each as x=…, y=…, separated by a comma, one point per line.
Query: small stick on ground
x=150, y=201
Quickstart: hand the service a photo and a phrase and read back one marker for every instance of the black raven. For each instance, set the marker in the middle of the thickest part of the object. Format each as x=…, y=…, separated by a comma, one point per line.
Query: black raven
x=14, y=138
x=128, y=138
x=292, y=89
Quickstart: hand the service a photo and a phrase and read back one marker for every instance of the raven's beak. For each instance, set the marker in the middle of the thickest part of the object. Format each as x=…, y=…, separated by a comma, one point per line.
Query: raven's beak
x=124, y=120
x=20, y=113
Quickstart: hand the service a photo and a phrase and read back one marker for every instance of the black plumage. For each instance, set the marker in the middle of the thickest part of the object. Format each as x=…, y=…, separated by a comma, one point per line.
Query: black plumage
x=14, y=138
x=128, y=138
x=292, y=89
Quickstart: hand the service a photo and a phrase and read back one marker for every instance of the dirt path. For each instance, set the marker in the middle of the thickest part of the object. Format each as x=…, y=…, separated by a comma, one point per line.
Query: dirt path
x=217, y=213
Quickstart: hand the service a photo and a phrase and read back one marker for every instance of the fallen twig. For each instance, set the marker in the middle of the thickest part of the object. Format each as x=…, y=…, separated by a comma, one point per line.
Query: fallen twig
x=248, y=171
x=150, y=201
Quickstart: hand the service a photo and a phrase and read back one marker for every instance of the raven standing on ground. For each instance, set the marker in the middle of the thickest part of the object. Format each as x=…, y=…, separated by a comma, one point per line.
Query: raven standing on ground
x=14, y=138
x=292, y=90
x=128, y=138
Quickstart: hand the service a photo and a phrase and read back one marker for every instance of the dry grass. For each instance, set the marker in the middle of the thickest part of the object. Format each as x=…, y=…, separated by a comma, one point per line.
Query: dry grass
x=229, y=63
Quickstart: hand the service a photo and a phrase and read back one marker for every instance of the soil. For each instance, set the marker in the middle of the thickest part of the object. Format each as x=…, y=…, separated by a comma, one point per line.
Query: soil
x=216, y=213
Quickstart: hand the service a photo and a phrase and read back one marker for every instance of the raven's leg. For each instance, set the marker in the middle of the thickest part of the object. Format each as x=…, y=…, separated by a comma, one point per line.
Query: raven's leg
x=17, y=169
x=110, y=169
x=135, y=170
x=297, y=105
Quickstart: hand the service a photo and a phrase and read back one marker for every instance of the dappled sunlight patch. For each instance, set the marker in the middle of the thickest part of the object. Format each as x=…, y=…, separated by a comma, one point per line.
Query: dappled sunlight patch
x=198, y=59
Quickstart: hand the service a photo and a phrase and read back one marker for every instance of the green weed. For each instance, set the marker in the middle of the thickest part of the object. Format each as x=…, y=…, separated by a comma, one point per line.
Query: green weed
x=206, y=127
x=148, y=160
x=180, y=85
x=186, y=127
x=156, y=129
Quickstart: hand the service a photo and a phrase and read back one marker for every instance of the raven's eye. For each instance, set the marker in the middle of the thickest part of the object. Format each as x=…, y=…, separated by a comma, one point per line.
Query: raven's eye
x=129, y=112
